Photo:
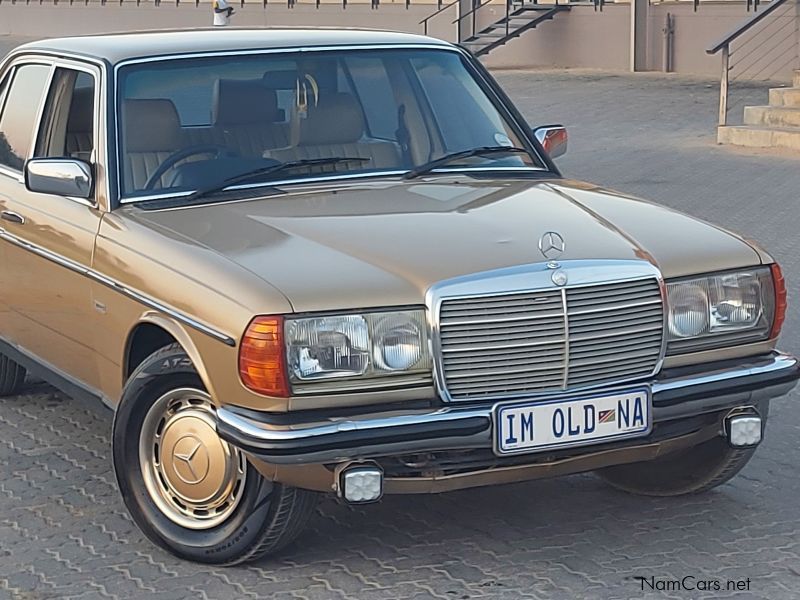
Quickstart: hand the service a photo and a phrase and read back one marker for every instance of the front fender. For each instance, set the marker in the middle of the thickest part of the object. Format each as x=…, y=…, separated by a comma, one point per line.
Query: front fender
x=182, y=337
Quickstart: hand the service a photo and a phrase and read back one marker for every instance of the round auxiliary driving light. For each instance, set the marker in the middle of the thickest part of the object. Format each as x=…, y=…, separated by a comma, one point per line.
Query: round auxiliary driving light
x=688, y=310
x=398, y=344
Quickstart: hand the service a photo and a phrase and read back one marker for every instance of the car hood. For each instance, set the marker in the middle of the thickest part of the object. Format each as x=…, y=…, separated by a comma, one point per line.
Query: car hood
x=384, y=243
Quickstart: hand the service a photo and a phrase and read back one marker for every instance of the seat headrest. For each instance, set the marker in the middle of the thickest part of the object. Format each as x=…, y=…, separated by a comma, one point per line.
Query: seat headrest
x=280, y=80
x=81, y=111
x=151, y=126
x=337, y=119
x=237, y=102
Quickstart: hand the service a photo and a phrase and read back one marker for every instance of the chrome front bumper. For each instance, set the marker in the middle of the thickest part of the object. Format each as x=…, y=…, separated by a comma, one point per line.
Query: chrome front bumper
x=293, y=439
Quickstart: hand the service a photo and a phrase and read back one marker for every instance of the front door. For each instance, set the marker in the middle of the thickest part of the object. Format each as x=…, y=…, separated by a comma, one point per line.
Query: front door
x=48, y=240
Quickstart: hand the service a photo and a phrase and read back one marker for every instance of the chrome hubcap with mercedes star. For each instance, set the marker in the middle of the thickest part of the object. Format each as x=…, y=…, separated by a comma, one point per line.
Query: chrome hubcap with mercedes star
x=306, y=262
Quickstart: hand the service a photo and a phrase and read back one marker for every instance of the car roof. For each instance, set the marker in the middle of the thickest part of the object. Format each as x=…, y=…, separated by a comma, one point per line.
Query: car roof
x=118, y=47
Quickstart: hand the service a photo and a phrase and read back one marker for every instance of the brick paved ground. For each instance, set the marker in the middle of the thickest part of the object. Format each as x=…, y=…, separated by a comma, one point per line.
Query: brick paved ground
x=64, y=532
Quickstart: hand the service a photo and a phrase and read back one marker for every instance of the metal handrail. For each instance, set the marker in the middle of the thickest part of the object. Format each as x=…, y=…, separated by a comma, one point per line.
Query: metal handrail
x=724, y=45
x=746, y=26
x=475, y=8
x=424, y=21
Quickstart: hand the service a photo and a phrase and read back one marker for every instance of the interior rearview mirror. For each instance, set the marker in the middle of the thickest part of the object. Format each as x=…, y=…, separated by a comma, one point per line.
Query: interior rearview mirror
x=59, y=176
x=553, y=139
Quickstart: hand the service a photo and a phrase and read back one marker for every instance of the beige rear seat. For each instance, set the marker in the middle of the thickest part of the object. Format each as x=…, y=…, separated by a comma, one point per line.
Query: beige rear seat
x=335, y=127
x=244, y=115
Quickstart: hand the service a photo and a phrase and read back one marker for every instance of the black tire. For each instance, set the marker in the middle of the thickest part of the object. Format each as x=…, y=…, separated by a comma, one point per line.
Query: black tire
x=268, y=515
x=12, y=376
x=690, y=471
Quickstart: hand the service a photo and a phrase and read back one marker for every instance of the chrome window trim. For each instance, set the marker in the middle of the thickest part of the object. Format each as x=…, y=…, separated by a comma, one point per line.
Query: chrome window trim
x=322, y=179
x=115, y=285
x=496, y=102
x=40, y=112
x=284, y=50
x=5, y=73
x=49, y=53
x=488, y=169
x=102, y=105
x=536, y=277
x=97, y=76
x=75, y=62
x=248, y=186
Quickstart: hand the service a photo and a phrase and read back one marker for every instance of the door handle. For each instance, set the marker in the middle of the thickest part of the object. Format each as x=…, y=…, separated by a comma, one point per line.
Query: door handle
x=8, y=215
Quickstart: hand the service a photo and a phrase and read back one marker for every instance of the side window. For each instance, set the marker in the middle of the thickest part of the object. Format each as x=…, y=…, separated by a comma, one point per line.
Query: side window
x=67, y=128
x=18, y=120
x=79, y=141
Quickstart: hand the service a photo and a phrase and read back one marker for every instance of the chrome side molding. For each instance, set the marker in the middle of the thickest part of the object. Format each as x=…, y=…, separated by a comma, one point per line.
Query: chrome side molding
x=117, y=286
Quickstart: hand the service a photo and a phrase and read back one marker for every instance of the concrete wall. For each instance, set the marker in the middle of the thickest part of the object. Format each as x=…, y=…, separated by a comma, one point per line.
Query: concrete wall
x=695, y=31
x=48, y=20
x=585, y=38
x=582, y=38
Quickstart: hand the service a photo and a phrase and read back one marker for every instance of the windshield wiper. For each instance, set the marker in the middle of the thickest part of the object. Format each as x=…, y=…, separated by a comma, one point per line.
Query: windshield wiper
x=268, y=170
x=447, y=158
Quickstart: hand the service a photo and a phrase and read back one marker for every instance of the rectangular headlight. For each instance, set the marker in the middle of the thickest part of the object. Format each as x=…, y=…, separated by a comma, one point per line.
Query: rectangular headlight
x=373, y=344
x=723, y=309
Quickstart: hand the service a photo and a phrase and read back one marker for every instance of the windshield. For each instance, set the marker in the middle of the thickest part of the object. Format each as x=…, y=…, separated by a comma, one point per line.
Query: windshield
x=194, y=123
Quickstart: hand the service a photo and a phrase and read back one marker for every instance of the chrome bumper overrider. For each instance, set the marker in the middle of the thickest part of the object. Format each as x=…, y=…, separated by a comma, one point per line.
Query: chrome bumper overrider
x=677, y=394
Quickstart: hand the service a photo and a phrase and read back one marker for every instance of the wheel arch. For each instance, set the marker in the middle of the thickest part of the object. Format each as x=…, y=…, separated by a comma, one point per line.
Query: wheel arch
x=152, y=332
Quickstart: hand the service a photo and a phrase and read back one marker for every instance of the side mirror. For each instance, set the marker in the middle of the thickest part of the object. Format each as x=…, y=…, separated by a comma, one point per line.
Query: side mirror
x=59, y=176
x=553, y=139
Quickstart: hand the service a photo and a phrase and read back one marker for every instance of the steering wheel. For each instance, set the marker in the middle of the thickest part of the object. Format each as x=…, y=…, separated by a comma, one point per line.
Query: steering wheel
x=183, y=154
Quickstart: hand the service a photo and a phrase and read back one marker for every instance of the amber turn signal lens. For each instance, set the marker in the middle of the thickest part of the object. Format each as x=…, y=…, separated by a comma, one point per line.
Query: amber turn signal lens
x=262, y=357
x=780, y=300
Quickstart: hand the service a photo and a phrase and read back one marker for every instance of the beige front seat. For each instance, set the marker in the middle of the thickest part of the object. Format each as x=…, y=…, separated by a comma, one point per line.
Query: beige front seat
x=152, y=132
x=335, y=127
x=80, y=124
x=245, y=115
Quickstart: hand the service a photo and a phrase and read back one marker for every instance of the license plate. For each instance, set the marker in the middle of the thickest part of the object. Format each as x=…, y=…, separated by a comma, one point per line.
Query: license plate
x=540, y=425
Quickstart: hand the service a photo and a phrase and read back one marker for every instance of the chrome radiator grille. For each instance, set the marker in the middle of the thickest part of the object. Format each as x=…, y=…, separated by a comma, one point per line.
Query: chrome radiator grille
x=550, y=340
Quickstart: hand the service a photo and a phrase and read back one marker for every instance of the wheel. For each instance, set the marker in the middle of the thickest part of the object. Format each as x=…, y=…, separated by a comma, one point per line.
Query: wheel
x=12, y=376
x=689, y=471
x=189, y=491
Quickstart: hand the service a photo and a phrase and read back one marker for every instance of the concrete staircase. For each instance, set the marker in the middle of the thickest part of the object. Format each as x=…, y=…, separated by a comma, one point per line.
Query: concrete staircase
x=773, y=126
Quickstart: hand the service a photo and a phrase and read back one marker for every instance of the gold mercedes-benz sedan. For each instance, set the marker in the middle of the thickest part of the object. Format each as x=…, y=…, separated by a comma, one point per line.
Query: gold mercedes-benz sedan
x=305, y=262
